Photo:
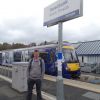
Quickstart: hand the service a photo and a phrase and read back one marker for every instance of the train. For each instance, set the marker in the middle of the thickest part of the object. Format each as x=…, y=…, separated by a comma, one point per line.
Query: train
x=70, y=62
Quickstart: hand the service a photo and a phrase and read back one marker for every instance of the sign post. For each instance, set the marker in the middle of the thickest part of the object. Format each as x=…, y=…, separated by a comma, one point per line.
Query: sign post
x=60, y=88
x=57, y=13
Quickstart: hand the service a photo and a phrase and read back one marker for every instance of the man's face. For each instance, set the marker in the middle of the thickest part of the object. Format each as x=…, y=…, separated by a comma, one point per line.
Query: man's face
x=36, y=54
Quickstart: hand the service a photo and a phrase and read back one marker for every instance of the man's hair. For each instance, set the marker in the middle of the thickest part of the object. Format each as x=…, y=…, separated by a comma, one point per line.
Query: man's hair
x=36, y=50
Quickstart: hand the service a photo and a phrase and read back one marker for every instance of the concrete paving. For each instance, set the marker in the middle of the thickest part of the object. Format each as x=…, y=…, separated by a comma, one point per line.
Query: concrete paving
x=71, y=93
x=7, y=93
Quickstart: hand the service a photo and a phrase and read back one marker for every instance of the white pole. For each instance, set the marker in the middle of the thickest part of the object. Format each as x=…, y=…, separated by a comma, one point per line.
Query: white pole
x=60, y=89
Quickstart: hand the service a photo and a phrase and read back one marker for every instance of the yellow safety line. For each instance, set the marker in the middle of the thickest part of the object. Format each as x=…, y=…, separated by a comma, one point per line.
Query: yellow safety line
x=78, y=84
x=6, y=79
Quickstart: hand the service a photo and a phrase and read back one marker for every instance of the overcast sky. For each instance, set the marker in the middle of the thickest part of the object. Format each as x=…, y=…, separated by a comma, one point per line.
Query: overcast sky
x=22, y=21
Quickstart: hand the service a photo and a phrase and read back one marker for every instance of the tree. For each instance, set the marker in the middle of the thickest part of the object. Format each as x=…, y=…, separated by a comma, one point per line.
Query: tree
x=5, y=46
x=0, y=46
x=18, y=45
x=32, y=44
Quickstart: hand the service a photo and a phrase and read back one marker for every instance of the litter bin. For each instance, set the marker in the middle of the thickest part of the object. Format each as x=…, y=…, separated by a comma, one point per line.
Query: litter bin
x=19, y=77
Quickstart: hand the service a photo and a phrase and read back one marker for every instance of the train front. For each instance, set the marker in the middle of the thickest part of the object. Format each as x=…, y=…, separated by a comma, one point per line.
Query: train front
x=70, y=66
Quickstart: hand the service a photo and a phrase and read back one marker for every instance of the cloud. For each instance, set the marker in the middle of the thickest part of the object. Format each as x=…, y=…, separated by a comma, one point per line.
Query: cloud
x=22, y=21
x=26, y=30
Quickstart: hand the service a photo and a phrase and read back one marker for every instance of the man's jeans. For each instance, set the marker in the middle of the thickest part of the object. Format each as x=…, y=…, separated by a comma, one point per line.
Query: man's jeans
x=31, y=83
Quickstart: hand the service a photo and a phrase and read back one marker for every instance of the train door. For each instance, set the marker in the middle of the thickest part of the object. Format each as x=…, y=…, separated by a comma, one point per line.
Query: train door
x=50, y=63
x=53, y=59
x=23, y=56
x=10, y=57
x=3, y=58
x=6, y=58
x=26, y=56
x=44, y=56
x=30, y=52
x=0, y=58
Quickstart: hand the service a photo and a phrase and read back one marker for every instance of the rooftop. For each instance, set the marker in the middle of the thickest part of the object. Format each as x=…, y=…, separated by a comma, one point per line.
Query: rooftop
x=88, y=47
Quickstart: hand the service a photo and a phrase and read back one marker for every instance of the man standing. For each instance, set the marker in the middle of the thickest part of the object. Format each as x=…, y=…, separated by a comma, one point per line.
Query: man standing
x=35, y=73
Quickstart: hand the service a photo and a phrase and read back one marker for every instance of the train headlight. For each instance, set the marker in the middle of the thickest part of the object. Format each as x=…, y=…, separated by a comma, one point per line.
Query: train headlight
x=68, y=69
x=79, y=68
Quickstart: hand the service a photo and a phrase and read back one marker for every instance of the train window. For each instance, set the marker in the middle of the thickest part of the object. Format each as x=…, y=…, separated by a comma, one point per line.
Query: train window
x=0, y=58
x=44, y=56
x=17, y=56
x=30, y=54
x=52, y=57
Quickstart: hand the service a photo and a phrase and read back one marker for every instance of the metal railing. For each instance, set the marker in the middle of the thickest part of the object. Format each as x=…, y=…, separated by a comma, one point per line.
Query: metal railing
x=6, y=71
x=95, y=68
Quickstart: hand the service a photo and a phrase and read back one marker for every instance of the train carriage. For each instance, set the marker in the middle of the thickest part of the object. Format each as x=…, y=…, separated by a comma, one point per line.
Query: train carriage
x=70, y=62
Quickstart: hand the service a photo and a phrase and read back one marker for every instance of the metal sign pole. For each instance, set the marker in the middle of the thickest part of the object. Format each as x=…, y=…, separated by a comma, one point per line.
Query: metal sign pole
x=60, y=89
x=54, y=14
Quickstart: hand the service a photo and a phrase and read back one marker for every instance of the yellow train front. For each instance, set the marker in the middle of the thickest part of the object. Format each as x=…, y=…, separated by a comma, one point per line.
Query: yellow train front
x=70, y=65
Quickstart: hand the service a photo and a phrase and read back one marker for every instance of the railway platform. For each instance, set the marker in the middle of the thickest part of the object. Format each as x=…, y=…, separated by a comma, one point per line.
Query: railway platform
x=73, y=89
x=49, y=89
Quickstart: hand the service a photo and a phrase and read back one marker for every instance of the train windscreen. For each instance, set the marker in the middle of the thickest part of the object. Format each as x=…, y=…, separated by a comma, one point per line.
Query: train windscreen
x=70, y=55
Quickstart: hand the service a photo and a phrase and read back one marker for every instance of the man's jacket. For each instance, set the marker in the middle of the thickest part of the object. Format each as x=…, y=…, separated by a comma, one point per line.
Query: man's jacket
x=36, y=69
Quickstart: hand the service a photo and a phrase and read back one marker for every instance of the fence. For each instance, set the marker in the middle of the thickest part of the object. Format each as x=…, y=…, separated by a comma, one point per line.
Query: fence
x=95, y=68
x=6, y=71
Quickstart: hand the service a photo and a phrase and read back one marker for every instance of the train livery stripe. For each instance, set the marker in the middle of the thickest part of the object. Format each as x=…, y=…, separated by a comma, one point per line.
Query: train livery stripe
x=73, y=66
x=68, y=47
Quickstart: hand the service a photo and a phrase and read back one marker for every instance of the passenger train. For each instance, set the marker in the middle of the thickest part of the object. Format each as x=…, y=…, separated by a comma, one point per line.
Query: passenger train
x=70, y=62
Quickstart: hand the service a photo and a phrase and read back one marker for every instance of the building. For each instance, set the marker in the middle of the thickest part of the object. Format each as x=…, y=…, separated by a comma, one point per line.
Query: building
x=88, y=52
